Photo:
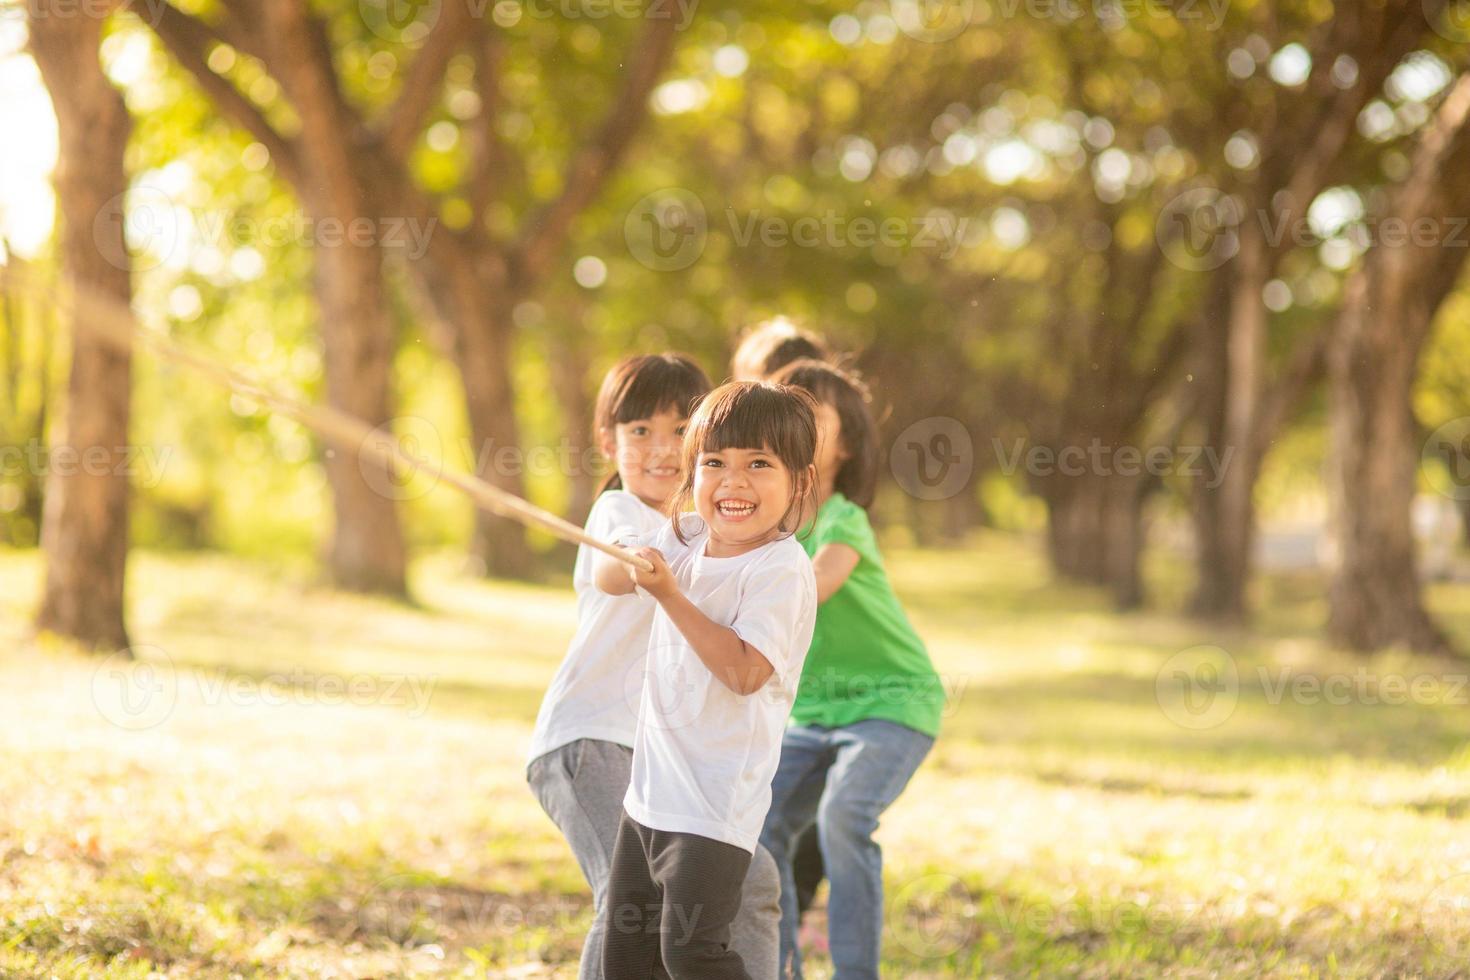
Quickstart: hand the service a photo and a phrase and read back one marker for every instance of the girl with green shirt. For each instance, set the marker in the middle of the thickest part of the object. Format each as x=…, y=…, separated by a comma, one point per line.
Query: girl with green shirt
x=868, y=707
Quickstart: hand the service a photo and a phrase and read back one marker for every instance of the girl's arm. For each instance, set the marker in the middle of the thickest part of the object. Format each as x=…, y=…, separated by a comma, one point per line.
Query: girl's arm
x=738, y=665
x=611, y=575
x=832, y=564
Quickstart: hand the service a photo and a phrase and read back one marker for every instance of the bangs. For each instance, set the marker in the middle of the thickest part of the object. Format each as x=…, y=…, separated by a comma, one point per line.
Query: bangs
x=653, y=384
x=760, y=417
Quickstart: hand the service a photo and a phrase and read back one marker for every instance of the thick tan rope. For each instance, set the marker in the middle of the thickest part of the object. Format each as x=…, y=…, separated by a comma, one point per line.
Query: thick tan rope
x=113, y=322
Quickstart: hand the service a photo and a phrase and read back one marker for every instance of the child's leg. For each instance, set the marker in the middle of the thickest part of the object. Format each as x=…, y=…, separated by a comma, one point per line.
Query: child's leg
x=581, y=787
x=874, y=762
x=756, y=932
x=632, y=911
x=795, y=792
x=806, y=868
x=700, y=879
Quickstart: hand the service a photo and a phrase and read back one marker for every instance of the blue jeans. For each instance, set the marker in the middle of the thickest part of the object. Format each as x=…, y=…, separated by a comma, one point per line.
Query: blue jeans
x=843, y=779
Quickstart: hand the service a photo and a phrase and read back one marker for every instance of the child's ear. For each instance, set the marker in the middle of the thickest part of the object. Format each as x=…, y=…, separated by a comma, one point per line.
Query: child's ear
x=607, y=441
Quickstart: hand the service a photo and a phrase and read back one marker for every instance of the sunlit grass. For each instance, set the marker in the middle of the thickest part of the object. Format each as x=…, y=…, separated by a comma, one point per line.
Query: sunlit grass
x=322, y=785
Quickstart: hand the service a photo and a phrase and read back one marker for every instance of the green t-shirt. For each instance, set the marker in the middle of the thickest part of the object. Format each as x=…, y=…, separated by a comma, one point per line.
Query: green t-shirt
x=865, y=660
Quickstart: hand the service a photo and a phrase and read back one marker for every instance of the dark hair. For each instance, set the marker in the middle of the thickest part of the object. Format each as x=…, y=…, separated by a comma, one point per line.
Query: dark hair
x=857, y=479
x=640, y=387
x=753, y=415
x=769, y=346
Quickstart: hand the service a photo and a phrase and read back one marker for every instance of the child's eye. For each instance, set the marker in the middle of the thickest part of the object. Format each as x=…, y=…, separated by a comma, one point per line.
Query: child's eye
x=681, y=430
x=712, y=462
x=761, y=462
x=639, y=430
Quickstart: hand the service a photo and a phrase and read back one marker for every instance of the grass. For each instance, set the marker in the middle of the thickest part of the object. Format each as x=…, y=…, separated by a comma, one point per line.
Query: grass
x=292, y=782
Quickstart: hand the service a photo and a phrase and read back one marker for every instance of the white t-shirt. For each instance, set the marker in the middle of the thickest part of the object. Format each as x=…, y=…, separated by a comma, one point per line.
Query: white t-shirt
x=596, y=689
x=705, y=756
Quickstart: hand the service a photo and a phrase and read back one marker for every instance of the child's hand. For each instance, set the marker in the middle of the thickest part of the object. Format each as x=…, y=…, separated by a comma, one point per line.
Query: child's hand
x=659, y=583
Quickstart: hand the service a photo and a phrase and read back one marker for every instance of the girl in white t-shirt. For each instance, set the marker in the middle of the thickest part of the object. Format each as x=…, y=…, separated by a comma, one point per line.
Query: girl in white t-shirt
x=581, y=751
x=735, y=601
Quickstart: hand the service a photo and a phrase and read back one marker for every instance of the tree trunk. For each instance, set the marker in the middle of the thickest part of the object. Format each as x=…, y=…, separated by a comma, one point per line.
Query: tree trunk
x=1225, y=514
x=1375, y=597
x=1096, y=532
x=484, y=345
x=366, y=552
x=1389, y=307
x=84, y=528
x=569, y=364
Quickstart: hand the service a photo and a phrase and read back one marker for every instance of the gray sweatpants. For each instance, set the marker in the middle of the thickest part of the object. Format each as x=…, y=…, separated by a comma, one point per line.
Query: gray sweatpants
x=581, y=787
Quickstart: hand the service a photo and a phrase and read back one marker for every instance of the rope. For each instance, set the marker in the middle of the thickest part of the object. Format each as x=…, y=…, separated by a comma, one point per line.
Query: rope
x=113, y=322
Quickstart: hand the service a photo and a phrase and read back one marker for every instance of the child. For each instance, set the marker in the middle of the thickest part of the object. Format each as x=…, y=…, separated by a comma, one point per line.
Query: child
x=869, y=704
x=582, y=747
x=736, y=601
x=764, y=350
x=771, y=345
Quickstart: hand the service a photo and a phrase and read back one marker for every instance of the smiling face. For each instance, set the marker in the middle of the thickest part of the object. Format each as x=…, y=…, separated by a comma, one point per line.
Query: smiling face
x=648, y=455
x=742, y=494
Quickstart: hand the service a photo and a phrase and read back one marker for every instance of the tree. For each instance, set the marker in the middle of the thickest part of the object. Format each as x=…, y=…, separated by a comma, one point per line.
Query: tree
x=1302, y=137
x=1375, y=599
x=474, y=272
x=84, y=531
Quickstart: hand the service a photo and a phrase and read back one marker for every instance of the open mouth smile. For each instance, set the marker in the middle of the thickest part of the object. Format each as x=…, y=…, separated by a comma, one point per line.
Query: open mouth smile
x=734, y=510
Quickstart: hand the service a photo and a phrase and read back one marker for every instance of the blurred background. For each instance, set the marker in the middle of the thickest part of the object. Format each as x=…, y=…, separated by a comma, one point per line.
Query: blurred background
x=1165, y=310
